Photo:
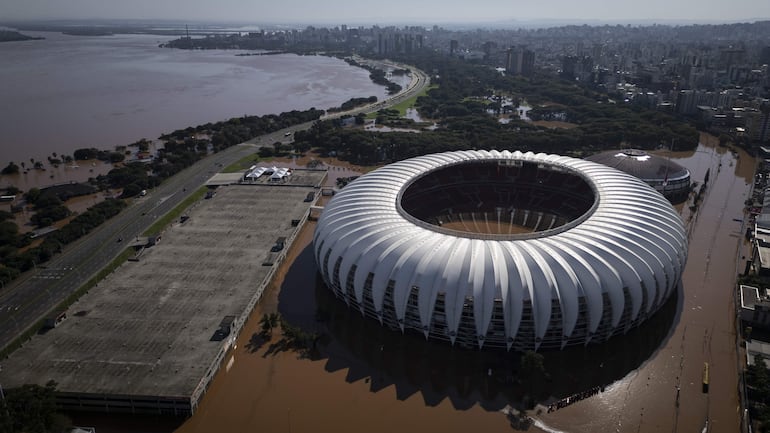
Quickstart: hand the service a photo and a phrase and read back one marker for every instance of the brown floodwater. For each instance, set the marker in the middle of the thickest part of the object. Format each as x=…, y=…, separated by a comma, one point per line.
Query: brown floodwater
x=79, y=172
x=361, y=377
x=666, y=393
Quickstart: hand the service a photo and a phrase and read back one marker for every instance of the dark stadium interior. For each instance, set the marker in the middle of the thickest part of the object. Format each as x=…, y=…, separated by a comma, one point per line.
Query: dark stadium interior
x=499, y=198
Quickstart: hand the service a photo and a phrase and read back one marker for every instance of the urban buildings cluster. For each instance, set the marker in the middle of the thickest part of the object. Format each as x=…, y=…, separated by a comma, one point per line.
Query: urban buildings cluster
x=716, y=74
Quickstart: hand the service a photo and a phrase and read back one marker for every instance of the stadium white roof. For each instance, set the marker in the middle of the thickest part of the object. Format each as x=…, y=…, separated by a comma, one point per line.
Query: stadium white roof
x=630, y=246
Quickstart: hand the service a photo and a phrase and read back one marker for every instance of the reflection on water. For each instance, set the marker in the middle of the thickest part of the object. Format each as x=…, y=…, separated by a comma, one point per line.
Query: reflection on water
x=438, y=371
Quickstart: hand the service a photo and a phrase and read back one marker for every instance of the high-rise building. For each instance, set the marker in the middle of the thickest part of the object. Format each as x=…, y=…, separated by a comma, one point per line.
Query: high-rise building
x=519, y=61
x=685, y=102
x=758, y=124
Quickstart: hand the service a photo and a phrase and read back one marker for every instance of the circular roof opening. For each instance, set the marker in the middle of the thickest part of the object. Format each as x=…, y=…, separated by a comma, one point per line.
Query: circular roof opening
x=498, y=199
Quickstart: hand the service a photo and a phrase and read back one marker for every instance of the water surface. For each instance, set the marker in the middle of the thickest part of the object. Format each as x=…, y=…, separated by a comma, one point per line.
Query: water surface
x=67, y=92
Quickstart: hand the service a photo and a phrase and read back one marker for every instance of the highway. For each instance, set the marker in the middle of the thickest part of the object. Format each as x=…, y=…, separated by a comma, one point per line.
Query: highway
x=37, y=292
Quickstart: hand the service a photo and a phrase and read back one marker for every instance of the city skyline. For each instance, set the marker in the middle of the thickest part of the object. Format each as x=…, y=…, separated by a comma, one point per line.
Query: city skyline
x=489, y=12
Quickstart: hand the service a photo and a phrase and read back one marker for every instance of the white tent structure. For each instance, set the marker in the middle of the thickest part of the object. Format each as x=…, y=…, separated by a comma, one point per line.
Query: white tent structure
x=255, y=172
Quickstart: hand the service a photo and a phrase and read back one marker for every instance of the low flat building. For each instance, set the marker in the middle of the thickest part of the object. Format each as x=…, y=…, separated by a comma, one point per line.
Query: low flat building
x=755, y=306
x=760, y=255
x=150, y=337
x=756, y=348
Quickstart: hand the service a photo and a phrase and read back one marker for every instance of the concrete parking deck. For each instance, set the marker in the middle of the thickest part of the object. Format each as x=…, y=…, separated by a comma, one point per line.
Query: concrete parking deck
x=141, y=341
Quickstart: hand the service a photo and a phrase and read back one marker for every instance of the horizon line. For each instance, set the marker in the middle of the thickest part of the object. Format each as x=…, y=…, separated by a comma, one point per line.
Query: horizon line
x=508, y=22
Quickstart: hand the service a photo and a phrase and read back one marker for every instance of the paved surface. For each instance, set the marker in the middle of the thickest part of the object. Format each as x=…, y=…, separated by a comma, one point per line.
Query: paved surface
x=146, y=330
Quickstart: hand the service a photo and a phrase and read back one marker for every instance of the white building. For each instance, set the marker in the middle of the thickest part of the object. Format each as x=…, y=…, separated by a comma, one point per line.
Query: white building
x=502, y=249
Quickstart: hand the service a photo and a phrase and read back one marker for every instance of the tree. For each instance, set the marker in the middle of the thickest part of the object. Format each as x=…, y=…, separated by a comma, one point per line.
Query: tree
x=532, y=370
x=31, y=408
x=131, y=190
x=265, y=152
x=116, y=157
x=264, y=322
x=532, y=363
x=269, y=322
x=11, y=168
x=85, y=153
x=32, y=195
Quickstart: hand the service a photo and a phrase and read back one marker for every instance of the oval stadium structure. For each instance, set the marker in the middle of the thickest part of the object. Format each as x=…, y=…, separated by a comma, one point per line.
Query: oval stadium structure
x=502, y=249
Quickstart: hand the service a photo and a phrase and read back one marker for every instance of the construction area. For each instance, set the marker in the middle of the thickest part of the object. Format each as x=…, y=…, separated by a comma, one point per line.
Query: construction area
x=150, y=337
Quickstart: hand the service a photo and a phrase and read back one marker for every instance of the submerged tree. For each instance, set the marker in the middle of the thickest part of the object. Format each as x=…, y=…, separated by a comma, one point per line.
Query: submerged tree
x=31, y=408
x=11, y=168
x=269, y=322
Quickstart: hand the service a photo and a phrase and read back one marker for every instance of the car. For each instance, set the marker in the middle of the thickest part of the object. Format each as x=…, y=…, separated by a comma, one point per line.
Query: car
x=279, y=244
x=287, y=134
x=120, y=239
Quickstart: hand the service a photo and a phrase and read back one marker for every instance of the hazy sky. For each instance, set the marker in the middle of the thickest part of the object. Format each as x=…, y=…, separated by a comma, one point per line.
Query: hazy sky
x=389, y=11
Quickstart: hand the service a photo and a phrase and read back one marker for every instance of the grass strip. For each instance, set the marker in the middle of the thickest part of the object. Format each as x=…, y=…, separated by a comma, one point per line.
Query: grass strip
x=176, y=212
x=406, y=103
x=242, y=164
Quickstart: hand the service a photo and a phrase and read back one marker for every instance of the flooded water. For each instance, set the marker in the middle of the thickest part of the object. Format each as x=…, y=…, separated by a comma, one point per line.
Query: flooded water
x=362, y=377
x=365, y=378
x=665, y=393
x=81, y=171
x=68, y=92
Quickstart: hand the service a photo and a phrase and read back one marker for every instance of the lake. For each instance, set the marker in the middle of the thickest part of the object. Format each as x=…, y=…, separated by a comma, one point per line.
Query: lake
x=67, y=92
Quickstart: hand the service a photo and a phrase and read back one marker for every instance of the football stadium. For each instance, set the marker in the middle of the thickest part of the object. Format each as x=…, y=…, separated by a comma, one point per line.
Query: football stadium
x=499, y=249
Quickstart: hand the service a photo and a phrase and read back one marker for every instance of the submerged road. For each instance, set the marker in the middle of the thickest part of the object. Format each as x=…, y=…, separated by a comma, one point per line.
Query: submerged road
x=37, y=293
x=666, y=393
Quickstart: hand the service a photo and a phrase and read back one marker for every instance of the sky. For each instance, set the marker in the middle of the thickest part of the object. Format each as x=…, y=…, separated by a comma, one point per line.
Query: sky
x=424, y=12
